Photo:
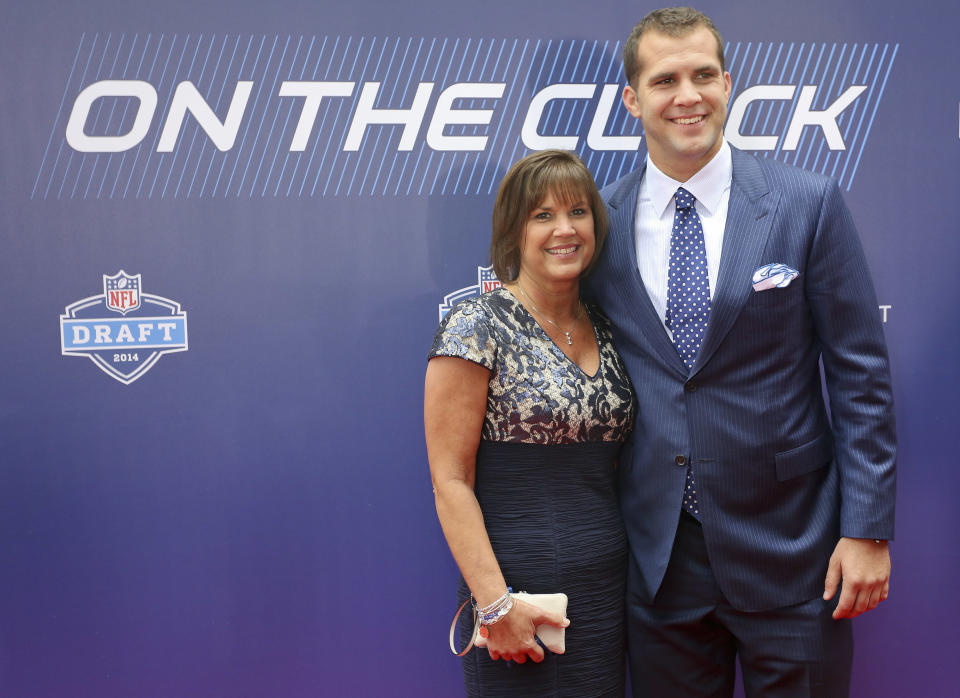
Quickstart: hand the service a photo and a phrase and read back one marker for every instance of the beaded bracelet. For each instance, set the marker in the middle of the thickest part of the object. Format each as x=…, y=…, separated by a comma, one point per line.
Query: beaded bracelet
x=496, y=616
x=496, y=604
x=494, y=612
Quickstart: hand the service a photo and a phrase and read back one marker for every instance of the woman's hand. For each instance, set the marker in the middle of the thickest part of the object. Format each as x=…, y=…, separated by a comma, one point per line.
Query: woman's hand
x=513, y=637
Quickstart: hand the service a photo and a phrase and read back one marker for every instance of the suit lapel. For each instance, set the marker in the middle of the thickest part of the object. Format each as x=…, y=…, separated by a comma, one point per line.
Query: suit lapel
x=623, y=253
x=750, y=214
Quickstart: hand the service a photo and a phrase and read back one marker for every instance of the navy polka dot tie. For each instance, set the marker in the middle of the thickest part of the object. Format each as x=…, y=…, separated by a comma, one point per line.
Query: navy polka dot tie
x=688, y=300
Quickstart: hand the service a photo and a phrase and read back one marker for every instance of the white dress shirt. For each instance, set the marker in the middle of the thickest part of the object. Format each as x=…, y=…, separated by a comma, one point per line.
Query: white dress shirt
x=656, y=208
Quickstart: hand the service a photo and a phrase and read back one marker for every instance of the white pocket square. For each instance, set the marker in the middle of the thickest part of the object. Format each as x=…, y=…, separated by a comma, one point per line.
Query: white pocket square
x=773, y=275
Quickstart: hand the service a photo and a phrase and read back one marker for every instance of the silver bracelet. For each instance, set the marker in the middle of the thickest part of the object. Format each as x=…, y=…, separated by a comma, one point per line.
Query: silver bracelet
x=491, y=613
x=497, y=615
x=495, y=605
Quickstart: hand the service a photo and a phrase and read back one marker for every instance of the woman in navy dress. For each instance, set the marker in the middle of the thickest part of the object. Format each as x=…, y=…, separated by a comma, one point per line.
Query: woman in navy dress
x=526, y=406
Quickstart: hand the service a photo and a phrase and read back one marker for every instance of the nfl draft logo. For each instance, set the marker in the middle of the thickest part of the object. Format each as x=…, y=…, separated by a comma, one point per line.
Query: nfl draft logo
x=486, y=281
x=123, y=330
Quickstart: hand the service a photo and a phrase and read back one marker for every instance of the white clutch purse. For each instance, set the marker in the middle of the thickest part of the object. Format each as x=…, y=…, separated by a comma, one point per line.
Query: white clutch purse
x=550, y=636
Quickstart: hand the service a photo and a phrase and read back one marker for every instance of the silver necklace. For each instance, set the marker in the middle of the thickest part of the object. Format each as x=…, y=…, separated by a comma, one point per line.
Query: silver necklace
x=566, y=333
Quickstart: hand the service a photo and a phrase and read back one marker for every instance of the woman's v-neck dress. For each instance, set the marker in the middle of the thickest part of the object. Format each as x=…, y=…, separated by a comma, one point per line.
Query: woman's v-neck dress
x=545, y=482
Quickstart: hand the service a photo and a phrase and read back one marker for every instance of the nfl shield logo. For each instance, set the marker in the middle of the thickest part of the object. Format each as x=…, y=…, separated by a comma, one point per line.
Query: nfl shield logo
x=486, y=279
x=121, y=292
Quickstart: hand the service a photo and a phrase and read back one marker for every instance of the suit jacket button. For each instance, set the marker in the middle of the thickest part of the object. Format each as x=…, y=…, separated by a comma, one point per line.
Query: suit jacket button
x=690, y=387
x=680, y=460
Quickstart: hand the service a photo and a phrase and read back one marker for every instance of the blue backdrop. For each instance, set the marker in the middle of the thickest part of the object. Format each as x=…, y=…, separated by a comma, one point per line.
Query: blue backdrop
x=213, y=480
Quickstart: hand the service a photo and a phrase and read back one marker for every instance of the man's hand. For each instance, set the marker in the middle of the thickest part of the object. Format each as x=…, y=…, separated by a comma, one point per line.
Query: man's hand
x=863, y=565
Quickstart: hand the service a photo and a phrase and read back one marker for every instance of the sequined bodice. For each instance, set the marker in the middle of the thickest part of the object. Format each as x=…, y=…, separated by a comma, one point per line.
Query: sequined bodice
x=537, y=394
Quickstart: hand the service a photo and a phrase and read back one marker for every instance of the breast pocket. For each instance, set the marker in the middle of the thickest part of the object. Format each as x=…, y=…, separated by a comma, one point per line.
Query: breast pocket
x=773, y=299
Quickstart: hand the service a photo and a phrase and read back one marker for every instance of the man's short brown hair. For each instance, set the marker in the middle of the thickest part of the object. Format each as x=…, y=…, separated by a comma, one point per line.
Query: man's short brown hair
x=672, y=21
x=530, y=180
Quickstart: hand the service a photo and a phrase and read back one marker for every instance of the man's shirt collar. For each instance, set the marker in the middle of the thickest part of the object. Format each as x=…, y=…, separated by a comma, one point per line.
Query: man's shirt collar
x=707, y=185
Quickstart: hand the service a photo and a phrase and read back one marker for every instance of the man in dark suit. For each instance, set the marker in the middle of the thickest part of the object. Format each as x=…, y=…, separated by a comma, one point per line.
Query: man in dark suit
x=758, y=525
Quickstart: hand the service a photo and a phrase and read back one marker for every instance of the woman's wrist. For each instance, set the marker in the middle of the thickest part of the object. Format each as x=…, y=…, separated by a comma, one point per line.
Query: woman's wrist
x=494, y=612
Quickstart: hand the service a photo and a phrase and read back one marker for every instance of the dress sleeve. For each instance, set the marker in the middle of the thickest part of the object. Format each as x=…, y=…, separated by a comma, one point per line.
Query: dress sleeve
x=465, y=333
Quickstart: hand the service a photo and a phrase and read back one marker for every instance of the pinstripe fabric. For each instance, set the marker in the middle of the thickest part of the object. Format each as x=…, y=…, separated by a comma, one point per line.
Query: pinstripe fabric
x=778, y=485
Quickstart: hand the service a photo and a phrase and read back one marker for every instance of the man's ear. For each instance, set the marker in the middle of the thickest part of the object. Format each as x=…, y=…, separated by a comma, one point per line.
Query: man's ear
x=630, y=101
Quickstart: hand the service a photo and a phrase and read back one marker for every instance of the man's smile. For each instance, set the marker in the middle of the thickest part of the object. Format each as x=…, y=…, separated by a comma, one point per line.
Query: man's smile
x=688, y=120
